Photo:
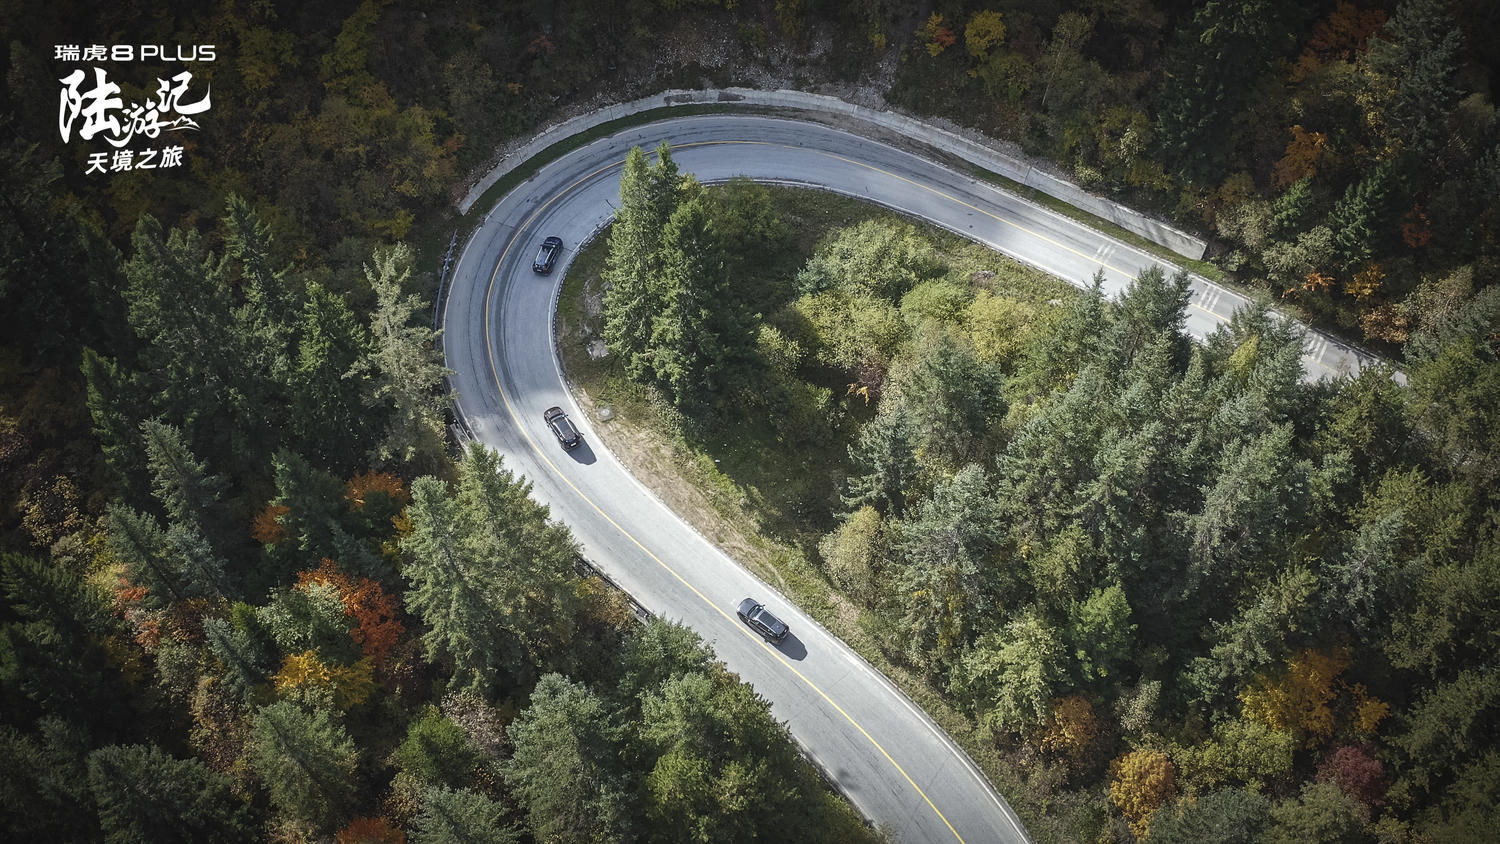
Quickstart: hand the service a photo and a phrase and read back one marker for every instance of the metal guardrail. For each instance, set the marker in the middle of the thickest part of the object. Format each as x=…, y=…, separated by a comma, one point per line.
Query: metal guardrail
x=437, y=301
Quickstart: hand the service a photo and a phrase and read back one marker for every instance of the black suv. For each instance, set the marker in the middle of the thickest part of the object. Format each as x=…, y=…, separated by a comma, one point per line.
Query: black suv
x=562, y=428
x=761, y=621
x=547, y=255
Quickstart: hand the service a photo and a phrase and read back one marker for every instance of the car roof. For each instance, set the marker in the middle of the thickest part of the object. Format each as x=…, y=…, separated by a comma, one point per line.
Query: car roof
x=770, y=620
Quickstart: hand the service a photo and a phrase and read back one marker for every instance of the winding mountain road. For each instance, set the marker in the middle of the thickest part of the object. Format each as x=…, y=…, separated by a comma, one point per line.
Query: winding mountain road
x=886, y=755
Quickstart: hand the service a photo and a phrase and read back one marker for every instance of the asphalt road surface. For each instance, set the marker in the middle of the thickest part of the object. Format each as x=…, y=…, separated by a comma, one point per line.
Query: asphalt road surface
x=886, y=755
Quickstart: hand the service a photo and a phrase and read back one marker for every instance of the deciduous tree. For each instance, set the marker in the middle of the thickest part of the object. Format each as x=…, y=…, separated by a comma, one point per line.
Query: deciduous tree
x=1139, y=783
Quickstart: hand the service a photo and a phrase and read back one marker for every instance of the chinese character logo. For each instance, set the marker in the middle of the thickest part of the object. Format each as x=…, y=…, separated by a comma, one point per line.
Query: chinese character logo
x=97, y=107
x=91, y=107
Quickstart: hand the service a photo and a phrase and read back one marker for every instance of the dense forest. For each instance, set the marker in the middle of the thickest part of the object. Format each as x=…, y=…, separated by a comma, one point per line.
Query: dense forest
x=249, y=591
x=1190, y=594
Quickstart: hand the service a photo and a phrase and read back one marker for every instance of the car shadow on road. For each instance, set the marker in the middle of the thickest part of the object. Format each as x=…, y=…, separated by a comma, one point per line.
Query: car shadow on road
x=792, y=648
x=583, y=454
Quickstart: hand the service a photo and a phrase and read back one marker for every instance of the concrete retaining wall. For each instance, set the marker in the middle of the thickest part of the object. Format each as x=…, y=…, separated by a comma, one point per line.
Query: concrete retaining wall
x=950, y=142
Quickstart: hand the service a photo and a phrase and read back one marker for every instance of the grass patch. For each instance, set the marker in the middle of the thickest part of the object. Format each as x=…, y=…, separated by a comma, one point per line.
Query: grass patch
x=766, y=500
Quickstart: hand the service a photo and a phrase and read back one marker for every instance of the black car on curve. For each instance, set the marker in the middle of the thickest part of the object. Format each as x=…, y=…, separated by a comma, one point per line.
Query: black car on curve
x=759, y=618
x=562, y=427
x=547, y=255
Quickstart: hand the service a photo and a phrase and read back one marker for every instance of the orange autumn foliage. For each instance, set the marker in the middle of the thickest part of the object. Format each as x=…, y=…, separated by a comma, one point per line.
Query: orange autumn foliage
x=376, y=628
x=370, y=831
x=268, y=529
x=1314, y=283
x=361, y=485
x=1387, y=322
x=1366, y=282
x=937, y=36
x=1416, y=229
x=1345, y=32
x=1304, y=152
x=1071, y=727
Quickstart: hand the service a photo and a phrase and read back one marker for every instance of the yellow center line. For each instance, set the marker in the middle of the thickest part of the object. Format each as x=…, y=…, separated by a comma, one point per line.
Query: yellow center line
x=521, y=426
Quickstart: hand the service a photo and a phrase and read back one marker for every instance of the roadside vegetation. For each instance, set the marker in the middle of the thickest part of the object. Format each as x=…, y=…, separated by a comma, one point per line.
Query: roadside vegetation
x=1178, y=593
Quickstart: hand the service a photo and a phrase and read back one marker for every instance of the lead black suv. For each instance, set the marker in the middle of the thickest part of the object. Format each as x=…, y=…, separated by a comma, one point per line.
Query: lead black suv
x=547, y=255
x=562, y=428
x=761, y=621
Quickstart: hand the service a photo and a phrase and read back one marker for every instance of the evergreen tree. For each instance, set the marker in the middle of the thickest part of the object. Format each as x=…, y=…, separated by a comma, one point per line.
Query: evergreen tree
x=307, y=762
x=44, y=795
x=701, y=339
x=1052, y=457
x=451, y=591
x=1210, y=68
x=404, y=370
x=1417, y=64
x=1323, y=812
x=47, y=234
x=58, y=643
x=117, y=404
x=314, y=521
x=437, y=752
x=886, y=452
x=1054, y=358
x=268, y=315
x=1260, y=636
x=660, y=651
x=943, y=550
x=723, y=763
x=179, y=302
x=328, y=423
x=1453, y=403
x=1008, y=678
x=648, y=197
x=951, y=397
x=566, y=769
x=181, y=482
x=1252, y=507
x=243, y=650
x=1361, y=215
x=139, y=542
x=1100, y=634
x=145, y=795
x=1223, y=816
x=529, y=561
x=1153, y=307
x=461, y=816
